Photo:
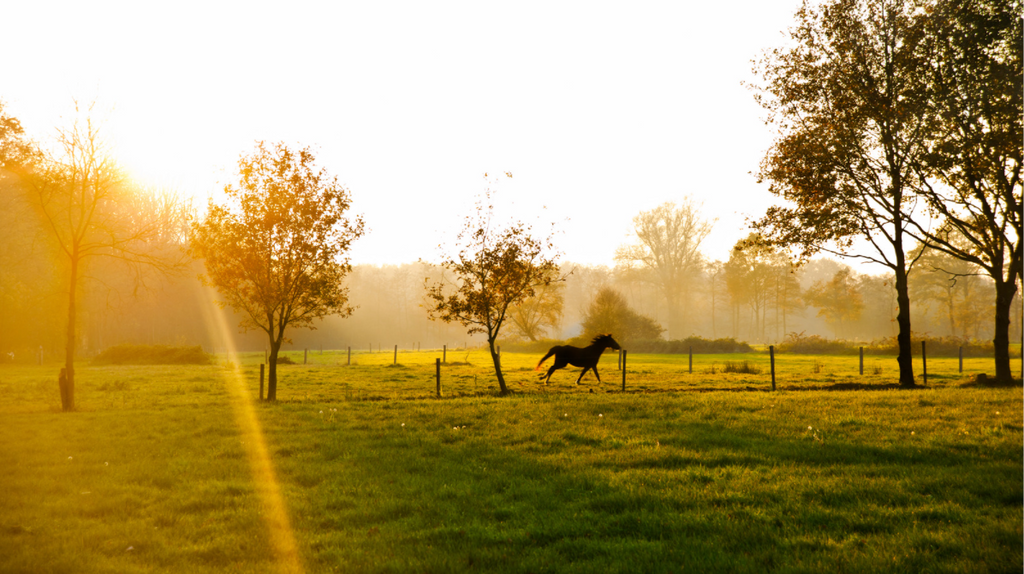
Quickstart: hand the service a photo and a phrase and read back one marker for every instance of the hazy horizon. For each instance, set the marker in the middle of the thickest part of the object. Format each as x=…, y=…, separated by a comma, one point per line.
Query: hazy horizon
x=598, y=111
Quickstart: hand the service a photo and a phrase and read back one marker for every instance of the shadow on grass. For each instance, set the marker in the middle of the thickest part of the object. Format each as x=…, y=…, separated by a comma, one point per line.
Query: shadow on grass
x=706, y=498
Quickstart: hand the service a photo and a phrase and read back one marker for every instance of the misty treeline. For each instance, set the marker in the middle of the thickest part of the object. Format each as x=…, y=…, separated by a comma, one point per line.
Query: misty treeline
x=663, y=279
x=389, y=310
x=667, y=285
x=898, y=143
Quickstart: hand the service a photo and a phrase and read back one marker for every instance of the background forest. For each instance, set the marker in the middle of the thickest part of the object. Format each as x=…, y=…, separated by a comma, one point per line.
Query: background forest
x=754, y=299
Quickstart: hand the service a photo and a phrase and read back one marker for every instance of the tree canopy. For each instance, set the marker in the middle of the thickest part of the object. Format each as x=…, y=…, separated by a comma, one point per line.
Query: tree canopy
x=277, y=251
x=609, y=313
x=970, y=176
x=669, y=253
x=849, y=100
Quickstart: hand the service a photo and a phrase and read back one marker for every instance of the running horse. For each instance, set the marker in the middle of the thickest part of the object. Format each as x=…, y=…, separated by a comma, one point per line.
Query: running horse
x=587, y=357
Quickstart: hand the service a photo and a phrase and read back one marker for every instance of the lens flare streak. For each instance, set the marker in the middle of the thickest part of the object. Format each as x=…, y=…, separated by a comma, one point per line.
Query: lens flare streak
x=268, y=489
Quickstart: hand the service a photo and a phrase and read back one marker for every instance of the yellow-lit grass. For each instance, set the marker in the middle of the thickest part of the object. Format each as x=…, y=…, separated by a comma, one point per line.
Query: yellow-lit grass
x=702, y=472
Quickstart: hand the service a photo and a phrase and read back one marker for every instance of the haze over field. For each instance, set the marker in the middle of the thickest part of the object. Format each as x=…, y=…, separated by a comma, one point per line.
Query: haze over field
x=599, y=110
x=328, y=286
x=601, y=115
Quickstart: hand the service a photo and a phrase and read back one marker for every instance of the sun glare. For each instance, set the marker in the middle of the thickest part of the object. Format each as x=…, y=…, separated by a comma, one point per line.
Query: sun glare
x=279, y=530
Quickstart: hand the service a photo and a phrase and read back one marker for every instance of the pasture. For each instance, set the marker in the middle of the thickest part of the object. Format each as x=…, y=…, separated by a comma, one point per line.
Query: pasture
x=361, y=468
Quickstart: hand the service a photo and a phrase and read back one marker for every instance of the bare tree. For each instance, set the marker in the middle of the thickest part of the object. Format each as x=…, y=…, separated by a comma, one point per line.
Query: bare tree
x=669, y=237
x=532, y=317
x=92, y=210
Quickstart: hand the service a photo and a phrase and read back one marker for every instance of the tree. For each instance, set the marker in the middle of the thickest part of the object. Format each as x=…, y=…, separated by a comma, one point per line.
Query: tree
x=670, y=238
x=493, y=270
x=609, y=313
x=532, y=317
x=16, y=151
x=24, y=265
x=957, y=287
x=849, y=101
x=838, y=300
x=749, y=279
x=277, y=251
x=715, y=271
x=971, y=173
x=93, y=211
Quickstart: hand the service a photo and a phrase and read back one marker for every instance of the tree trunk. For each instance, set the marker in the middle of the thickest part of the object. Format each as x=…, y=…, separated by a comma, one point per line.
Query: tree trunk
x=714, y=333
x=672, y=302
x=905, y=359
x=275, y=347
x=497, y=367
x=68, y=396
x=1005, y=291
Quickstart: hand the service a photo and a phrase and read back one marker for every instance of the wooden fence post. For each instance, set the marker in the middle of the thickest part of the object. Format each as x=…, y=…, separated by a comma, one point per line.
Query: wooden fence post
x=924, y=364
x=305, y=356
x=444, y=354
x=961, y=360
x=623, y=370
x=771, y=353
x=862, y=360
x=396, y=355
x=348, y=362
x=691, y=360
x=261, y=380
x=619, y=365
x=437, y=369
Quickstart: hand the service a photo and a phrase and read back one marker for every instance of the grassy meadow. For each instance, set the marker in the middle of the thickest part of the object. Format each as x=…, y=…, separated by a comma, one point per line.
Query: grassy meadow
x=160, y=468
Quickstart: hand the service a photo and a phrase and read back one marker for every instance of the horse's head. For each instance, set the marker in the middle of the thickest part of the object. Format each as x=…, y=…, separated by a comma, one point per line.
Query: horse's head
x=606, y=341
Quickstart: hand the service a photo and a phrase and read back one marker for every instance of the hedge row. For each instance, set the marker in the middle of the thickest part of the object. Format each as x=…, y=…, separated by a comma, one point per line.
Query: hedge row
x=153, y=355
x=797, y=343
x=935, y=346
x=658, y=346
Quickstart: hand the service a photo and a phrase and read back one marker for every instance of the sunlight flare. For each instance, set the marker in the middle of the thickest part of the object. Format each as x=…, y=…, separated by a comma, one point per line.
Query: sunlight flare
x=268, y=489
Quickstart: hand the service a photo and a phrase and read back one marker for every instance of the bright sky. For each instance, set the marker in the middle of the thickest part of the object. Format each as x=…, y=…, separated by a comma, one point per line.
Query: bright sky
x=598, y=109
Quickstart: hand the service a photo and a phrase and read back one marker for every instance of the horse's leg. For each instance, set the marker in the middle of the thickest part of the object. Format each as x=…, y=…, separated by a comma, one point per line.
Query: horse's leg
x=550, y=372
x=583, y=372
x=594, y=368
x=559, y=364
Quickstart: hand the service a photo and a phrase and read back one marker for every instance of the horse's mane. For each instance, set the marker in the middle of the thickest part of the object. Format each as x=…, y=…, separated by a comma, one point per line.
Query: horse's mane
x=600, y=338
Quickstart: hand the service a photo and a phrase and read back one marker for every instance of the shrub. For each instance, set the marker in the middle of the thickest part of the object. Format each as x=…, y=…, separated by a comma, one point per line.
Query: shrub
x=538, y=346
x=659, y=346
x=683, y=346
x=935, y=346
x=745, y=368
x=815, y=345
x=153, y=355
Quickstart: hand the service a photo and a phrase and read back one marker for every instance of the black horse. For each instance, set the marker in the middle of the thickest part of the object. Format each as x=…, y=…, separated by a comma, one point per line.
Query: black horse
x=586, y=357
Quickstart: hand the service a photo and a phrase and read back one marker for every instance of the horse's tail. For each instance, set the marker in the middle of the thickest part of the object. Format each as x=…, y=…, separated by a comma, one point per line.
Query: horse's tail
x=551, y=351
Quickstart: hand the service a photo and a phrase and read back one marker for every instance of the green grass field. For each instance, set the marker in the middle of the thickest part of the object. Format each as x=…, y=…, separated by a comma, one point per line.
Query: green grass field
x=702, y=472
